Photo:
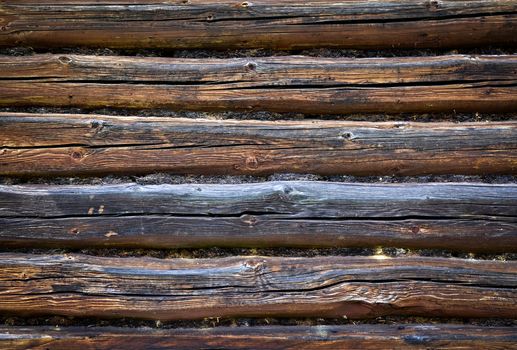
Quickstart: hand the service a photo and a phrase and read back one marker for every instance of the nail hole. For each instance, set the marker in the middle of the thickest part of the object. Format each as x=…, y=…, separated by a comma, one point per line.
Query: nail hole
x=209, y=18
x=245, y=4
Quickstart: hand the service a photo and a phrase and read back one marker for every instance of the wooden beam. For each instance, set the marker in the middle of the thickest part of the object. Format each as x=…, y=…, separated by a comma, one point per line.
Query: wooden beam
x=54, y=144
x=410, y=337
x=468, y=217
x=288, y=24
x=355, y=287
x=279, y=84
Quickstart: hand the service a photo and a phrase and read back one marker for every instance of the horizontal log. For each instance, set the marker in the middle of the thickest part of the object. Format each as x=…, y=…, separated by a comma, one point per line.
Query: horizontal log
x=56, y=144
x=278, y=84
x=410, y=337
x=288, y=24
x=468, y=217
x=353, y=287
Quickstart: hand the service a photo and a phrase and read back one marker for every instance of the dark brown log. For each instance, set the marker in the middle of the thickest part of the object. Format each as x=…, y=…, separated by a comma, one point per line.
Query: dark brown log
x=468, y=217
x=287, y=24
x=41, y=144
x=374, y=337
x=278, y=84
x=355, y=287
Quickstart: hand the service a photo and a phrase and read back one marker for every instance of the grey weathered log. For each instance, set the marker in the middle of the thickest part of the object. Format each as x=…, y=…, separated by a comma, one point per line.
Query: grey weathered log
x=403, y=337
x=287, y=24
x=468, y=217
x=315, y=85
x=253, y=286
x=55, y=144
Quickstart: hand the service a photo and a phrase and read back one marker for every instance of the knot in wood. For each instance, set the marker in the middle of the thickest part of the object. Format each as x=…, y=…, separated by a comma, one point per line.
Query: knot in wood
x=251, y=66
x=347, y=135
x=255, y=265
x=97, y=125
x=251, y=220
x=395, y=171
x=76, y=155
x=433, y=5
x=64, y=59
x=251, y=162
x=287, y=189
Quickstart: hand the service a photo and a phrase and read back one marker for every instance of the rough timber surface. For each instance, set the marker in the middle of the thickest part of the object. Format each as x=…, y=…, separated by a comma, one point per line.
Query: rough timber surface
x=59, y=144
x=288, y=24
x=311, y=85
x=355, y=287
x=459, y=216
x=374, y=337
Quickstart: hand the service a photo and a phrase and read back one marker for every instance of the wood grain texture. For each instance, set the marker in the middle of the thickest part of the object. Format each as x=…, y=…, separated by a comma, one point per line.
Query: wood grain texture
x=288, y=24
x=54, y=144
x=468, y=217
x=355, y=287
x=278, y=84
x=374, y=337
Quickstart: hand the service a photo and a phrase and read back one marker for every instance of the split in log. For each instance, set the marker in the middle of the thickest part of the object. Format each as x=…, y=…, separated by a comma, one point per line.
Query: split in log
x=374, y=337
x=53, y=145
x=287, y=24
x=278, y=84
x=467, y=217
x=353, y=287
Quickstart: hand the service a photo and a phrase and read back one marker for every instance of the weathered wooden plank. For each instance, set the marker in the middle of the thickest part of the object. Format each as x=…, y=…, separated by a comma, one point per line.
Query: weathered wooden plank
x=289, y=24
x=355, y=287
x=41, y=144
x=426, y=336
x=468, y=217
x=279, y=84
